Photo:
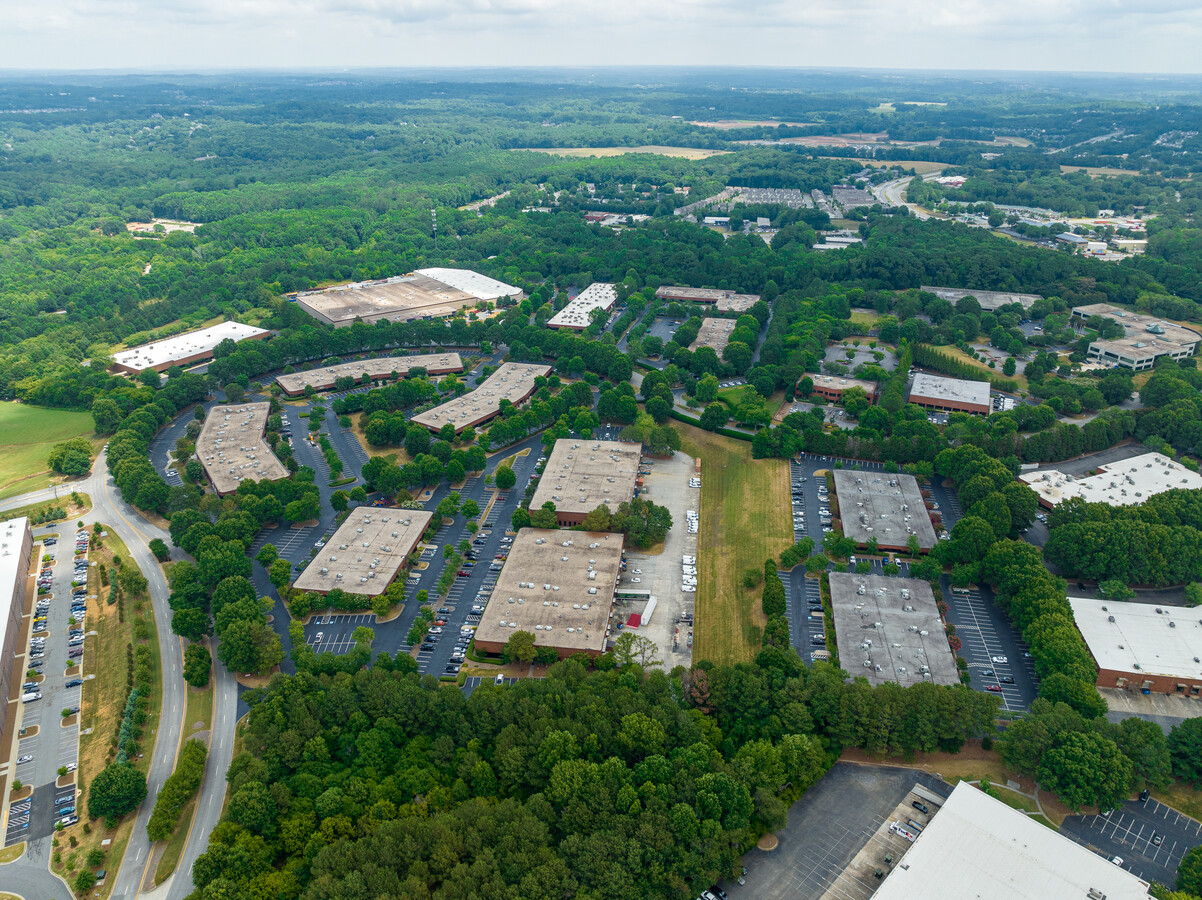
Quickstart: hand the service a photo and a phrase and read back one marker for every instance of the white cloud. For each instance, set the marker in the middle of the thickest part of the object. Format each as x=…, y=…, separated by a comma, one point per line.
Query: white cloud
x=1094, y=35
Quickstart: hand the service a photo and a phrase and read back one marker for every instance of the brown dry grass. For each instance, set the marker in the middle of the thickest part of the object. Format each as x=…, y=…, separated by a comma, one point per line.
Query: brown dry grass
x=1098, y=171
x=744, y=521
x=921, y=166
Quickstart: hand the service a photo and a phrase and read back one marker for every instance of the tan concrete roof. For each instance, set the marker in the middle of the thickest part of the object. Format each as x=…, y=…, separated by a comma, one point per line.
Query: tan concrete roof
x=323, y=378
x=581, y=475
x=364, y=555
x=231, y=446
x=512, y=381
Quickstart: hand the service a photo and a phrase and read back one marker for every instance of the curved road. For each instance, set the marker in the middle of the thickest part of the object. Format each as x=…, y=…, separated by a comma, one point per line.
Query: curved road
x=30, y=875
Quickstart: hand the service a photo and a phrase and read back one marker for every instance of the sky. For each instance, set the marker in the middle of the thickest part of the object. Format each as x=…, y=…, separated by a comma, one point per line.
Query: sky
x=1160, y=36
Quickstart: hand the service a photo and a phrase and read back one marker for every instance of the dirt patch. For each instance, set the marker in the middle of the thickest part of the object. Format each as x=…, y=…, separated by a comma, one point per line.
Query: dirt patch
x=15, y=796
x=65, y=780
x=768, y=843
x=256, y=681
x=68, y=721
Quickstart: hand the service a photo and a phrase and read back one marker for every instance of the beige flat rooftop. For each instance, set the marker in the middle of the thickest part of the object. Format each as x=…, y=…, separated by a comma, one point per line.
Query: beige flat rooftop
x=364, y=555
x=511, y=381
x=581, y=475
x=381, y=367
x=231, y=447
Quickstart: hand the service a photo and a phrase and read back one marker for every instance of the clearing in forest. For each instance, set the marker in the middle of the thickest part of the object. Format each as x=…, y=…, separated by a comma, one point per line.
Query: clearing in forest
x=26, y=435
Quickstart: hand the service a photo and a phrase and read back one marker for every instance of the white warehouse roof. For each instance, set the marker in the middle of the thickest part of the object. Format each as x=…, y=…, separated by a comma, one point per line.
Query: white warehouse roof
x=1128, y=482
x=952, y=390
x=597, y=295
x=978, y=848
x=1135, y=637
x=479, y=286
x=184, y=346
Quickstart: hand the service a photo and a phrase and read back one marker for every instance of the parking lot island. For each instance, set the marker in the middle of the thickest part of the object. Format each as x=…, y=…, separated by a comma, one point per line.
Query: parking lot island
x=376, y=369
x=558, y=585
x=889, y=630
x=231, y=447
x=581, y=475
x=367, y=551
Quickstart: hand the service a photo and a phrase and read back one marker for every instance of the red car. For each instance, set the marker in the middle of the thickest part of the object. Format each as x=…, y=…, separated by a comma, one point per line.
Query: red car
x=462, y=573
x=995, y=688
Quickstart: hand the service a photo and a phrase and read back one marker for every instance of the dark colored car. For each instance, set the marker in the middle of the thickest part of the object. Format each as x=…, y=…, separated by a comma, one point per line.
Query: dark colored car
x=921, y=807
x=74, y=682
x=1005, y=679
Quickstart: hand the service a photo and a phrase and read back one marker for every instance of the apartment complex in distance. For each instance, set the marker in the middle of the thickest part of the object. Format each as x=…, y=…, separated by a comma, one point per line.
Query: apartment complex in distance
x=512, y=381
x=1147, y=338
x=231, y=447
x=184, y=349
x=423, y=294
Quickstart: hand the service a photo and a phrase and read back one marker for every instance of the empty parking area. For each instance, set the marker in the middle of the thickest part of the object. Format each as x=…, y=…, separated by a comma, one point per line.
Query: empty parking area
x=1130, y=833
x=827, y=827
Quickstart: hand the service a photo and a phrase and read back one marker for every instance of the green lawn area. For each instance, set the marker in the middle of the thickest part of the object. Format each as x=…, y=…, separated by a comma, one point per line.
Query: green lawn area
x=744, y=521
x=26, y=435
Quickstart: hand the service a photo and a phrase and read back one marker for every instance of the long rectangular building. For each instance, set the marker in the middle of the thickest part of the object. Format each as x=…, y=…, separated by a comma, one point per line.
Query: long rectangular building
x=977, y=847
x=423, y=294
x=887, y=507
x=16, y=555
x=723, y=300
x=581, y=475
x=377, y=369
x=1153, y=649
x=713, y=333
x=1146, y=338
x=231, y=447
x=1125, y=482
x=831, y=387
x=988, y=300
x=512, y=381
x=557, y=585
x=577, y=315
x=367, y=552
x=950, y=394
x=184, y=349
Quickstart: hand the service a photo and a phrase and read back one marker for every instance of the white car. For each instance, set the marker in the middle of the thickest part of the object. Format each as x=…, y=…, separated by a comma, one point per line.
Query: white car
x=689, y=589
x=319, y=637
x=999, y=659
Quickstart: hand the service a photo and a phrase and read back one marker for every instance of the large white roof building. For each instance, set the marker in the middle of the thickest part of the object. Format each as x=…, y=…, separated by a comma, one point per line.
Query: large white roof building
x=193, y=346
x=978, y=848
x=577, y=314
x=1153, y=648
x=1128, y=482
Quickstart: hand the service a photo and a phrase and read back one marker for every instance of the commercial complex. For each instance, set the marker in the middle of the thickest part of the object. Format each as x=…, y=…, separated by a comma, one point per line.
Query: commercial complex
x=424, y=294
x=950, y=394
x=884, y=506
x=581, y=475
x=377, y=369
x=988, y=300
x=557, y=585
x=231, y=447
x=184, y=349
x=852, y=197
x=1127, y=482
x=16, y=549
x=367, y=551
x=976, y=846
x=713, y=333
x=512, y=381
x=577, y=315
x=1153, y=649
x=1146, y=339
x=889, y=630
x=832, y=387
x=724, y=301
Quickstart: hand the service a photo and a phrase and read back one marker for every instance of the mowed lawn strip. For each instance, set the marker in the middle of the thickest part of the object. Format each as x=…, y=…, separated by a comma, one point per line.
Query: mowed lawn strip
x=744, y=521
x=26, y=435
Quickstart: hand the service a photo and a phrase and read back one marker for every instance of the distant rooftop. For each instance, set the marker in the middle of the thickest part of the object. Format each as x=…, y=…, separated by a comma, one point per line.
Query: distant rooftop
x=713, y=333
x=723, y=300
x=577, y=314
x=889, y=630
x=978, y=848
x=1127, y=482
x=987, y=299
x=381, y=367
x=184, y=346
x=511, y=381
x=1136, y=637
x=950, y=390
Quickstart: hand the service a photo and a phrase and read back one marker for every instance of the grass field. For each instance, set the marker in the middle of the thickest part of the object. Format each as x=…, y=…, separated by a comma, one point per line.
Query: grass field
x=26, y=435
x=961, y=356
x=921, y=166
x=744, y=521
x=656, y=150
x=1098, y=171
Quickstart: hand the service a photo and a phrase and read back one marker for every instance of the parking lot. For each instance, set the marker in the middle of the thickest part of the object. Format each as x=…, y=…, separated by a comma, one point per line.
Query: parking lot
x=1130, y=833
x=827, y=827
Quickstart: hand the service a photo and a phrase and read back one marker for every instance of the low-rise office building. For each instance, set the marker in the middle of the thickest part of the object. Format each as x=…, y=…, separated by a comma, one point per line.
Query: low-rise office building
x=1151, y=649
x=423, y=294
x=713, y=333
x=376, y=369
x=1147, y=338
x=723, y=301
x=577, y=315
x=976, y=846
x=1125, y=482
x=890, y=630
x=557, y=585
x=831, y=387
x=184, y=349
x=231, y=447
x=988, y=300
x=888, y=507
x=950, y=394
x=16, y=557
x=581, y=475
x=367, y=552
x=511, y=381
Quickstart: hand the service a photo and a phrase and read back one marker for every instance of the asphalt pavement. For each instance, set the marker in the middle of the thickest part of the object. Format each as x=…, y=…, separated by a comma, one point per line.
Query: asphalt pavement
x=1132, y=832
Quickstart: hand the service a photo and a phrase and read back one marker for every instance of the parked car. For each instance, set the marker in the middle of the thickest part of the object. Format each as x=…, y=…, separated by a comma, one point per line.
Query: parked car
x=68, y=820
x=74, y=682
